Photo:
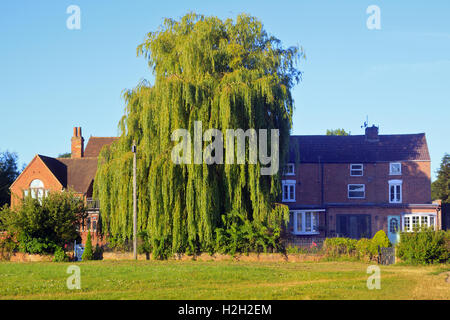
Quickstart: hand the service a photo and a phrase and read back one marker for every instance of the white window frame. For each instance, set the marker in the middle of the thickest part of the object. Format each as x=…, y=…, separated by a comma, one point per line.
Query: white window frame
x=36, y=190
x=419, y=217
x=296, y=214
x=289, y=170
x=356, y=184
x=391, y=172
x=395, y=183
x=361, y=169
x=290, y=184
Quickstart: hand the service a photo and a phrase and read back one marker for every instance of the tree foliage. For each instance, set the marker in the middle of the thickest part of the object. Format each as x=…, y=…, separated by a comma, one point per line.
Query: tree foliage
x=42, y=226
x=337, y=132
x=441, y=187
x=8, y=173
x=65, y=155
x=227, y=74
x=88, y=253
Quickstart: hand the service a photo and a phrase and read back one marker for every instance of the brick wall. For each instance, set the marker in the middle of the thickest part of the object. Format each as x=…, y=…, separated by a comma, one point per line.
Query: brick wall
x=35, y=170
x=416, y=188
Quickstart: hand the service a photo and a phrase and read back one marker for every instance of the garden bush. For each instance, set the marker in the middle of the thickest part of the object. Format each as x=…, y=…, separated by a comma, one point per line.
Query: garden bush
x=380, y=239
x=60, y=255
x=7, y=246
x=364, y=249
x=335, y=247
x=424, y=246
x=88, y=253
x=41, y=226
x=240, y=235
x=143, y=243
x=98, y=252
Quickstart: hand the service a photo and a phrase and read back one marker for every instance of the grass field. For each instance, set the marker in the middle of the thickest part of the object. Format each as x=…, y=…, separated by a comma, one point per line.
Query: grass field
x=220, y=280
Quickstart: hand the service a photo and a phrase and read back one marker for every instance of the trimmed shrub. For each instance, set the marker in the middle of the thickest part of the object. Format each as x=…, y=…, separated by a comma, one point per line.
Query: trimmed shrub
x=380, y=239
x=88, y=253
x=424, y=246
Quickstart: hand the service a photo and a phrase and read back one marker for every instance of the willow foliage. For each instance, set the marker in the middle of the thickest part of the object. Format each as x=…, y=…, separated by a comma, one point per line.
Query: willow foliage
x=227, y=74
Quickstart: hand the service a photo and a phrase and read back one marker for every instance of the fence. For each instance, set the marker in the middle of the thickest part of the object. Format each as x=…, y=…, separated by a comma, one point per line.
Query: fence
x=304, y=242
x=386, y=256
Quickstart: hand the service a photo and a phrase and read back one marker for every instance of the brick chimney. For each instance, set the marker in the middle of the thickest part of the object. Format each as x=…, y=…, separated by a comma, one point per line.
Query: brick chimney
x=77, y=143
x=372, y=134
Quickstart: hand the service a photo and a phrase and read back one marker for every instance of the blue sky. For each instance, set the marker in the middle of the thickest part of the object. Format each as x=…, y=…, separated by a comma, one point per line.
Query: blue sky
x=53, y=78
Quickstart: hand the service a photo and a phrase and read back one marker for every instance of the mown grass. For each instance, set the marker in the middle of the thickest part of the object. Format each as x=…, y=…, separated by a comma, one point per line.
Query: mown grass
x=220, y=280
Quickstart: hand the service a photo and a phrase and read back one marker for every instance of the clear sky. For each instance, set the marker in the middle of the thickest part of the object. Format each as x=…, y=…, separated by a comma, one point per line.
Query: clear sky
x=53, y=78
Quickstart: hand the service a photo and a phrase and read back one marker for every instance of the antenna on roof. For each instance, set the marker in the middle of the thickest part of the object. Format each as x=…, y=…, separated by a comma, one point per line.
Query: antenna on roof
x=366, y=123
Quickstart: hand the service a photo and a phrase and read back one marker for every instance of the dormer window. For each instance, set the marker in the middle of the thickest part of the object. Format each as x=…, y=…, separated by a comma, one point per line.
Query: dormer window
x=356, y=170
x=289, y=170
x=395, y=168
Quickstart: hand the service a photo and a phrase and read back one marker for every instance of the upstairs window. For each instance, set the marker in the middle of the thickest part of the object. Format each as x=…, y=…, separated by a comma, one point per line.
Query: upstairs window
x=289, y=170
x=395, y=191
x=395, y=168
x=36, y=190
x=288, y=190
x=356, y=170
x=356, y=191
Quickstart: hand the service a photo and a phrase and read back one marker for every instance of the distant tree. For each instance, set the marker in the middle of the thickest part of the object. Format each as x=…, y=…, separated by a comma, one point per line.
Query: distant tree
x=65, y=155
x=440, y=189
x=336, y=132
x=8, y=173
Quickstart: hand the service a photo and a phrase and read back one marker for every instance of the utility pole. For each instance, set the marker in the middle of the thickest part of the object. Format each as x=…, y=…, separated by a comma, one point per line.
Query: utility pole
x=133, y=149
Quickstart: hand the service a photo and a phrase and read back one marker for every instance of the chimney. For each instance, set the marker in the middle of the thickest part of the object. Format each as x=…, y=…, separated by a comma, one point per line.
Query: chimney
x=77, y=143
x=372, y=134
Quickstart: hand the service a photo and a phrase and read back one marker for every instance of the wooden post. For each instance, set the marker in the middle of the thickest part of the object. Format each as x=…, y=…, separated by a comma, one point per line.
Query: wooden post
x=134, y=203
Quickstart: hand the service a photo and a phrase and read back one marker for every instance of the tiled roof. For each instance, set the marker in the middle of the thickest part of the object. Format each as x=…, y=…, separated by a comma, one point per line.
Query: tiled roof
x=58, y=168
x=77, y=174
x=95, y=145
x=348, y=149
x=80, y=173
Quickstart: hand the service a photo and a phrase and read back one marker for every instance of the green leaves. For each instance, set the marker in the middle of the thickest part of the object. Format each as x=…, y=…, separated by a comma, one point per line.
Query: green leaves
x=440, y=188
x=8, y=173
x=88, y=253
x=424, y=246
x=227, y=74
x=41, y=227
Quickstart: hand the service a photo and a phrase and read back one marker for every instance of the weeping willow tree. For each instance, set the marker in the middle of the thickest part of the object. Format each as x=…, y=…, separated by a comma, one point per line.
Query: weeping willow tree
x=226, y=74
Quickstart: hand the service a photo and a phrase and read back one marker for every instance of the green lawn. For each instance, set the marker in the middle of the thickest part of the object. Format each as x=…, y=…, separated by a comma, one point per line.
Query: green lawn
x=220, y=280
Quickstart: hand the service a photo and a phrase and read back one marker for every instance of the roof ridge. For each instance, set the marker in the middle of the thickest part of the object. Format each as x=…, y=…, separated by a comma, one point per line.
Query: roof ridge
x=104, y=137
x=357, y=135
x=86, y=158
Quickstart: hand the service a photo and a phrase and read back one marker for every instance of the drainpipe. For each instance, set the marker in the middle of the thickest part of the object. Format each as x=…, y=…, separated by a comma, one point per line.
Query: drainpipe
x=321, y=193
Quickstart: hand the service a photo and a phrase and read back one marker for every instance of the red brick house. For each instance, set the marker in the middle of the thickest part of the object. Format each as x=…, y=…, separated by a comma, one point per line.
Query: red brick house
x=353, y=186
x=44, y=174
x=348, y=186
